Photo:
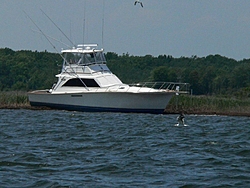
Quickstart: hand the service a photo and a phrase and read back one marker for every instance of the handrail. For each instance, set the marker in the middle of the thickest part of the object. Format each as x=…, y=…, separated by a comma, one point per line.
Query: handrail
x=177, y=87
x=163, y=85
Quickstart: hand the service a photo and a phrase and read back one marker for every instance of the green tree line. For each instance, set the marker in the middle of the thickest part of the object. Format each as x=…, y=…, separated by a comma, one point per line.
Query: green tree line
x=210, y=75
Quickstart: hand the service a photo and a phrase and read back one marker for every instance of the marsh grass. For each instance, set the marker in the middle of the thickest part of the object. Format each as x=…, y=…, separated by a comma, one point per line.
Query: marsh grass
x=14, y=99
x=208, y=105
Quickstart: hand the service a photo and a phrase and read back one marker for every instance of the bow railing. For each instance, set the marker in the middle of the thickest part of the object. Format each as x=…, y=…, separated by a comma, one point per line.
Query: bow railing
x=169, y=86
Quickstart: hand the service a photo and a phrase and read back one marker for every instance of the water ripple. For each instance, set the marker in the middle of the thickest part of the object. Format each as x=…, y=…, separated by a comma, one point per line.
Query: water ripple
x=73, y=149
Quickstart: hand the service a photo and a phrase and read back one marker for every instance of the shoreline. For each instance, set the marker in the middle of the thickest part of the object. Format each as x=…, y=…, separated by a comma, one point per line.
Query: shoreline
x=243, y=114
x=187, y=104
x=166, y=112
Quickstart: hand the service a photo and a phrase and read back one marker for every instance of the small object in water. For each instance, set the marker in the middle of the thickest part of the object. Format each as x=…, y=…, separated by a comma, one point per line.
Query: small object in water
x=180, y=119
x=138, y=2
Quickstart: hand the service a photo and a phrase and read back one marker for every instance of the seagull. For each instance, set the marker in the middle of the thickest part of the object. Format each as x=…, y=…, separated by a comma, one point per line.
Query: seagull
x=138, y=2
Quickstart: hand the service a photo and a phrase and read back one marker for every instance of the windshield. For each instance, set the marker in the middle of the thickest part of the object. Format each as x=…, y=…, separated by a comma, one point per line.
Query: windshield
x=84, y=58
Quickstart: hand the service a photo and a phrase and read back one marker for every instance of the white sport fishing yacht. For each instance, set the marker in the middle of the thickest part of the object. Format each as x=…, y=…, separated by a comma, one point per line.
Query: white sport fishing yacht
x=86, y=84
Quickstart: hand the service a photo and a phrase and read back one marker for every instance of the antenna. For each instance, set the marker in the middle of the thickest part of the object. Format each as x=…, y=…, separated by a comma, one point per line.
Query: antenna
x=58, y=28
x=70, y=35
x=84, y=13
x=103, y=21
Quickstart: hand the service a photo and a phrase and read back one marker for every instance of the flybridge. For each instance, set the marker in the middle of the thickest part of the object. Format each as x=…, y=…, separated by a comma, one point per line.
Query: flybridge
x=82, y=55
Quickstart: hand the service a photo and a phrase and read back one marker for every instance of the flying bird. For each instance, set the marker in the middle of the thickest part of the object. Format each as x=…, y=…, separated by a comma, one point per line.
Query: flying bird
x=139, y=3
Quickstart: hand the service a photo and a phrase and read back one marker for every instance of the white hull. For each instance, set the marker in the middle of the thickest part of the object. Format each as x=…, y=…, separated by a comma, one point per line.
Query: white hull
x=86, y=84
x=153, y=102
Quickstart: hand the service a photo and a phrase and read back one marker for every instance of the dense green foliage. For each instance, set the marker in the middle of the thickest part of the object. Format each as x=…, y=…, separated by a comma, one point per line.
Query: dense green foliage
x=214, y=74
x=27, y=70
x=209, y=75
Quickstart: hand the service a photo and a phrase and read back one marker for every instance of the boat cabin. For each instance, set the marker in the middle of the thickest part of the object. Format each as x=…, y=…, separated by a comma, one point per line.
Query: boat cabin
x=84, y=66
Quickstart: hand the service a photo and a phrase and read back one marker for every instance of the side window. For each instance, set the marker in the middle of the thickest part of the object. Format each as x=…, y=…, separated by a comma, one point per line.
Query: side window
x=76, y=82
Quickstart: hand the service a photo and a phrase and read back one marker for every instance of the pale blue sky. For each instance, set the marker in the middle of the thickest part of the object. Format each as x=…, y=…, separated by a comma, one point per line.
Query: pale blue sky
x=171, y=27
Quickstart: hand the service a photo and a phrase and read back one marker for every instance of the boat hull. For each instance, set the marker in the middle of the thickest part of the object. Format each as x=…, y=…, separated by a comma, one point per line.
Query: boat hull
x=153, y=102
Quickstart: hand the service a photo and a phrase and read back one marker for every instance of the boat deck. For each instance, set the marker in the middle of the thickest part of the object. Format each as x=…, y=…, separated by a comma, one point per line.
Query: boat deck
x=39, y=92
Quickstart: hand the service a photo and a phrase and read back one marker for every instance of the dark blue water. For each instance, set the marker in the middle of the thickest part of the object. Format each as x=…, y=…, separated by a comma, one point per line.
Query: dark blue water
x=75, y=149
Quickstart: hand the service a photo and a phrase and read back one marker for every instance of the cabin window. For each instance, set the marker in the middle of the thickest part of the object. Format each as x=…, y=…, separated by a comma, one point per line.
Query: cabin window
x=76, y=82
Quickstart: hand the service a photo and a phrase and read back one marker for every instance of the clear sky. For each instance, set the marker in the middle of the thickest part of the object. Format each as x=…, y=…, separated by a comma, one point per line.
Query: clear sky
x=171, y=27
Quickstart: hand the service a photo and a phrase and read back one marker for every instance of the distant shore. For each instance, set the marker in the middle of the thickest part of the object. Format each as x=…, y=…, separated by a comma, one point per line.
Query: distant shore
x=200, y=105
